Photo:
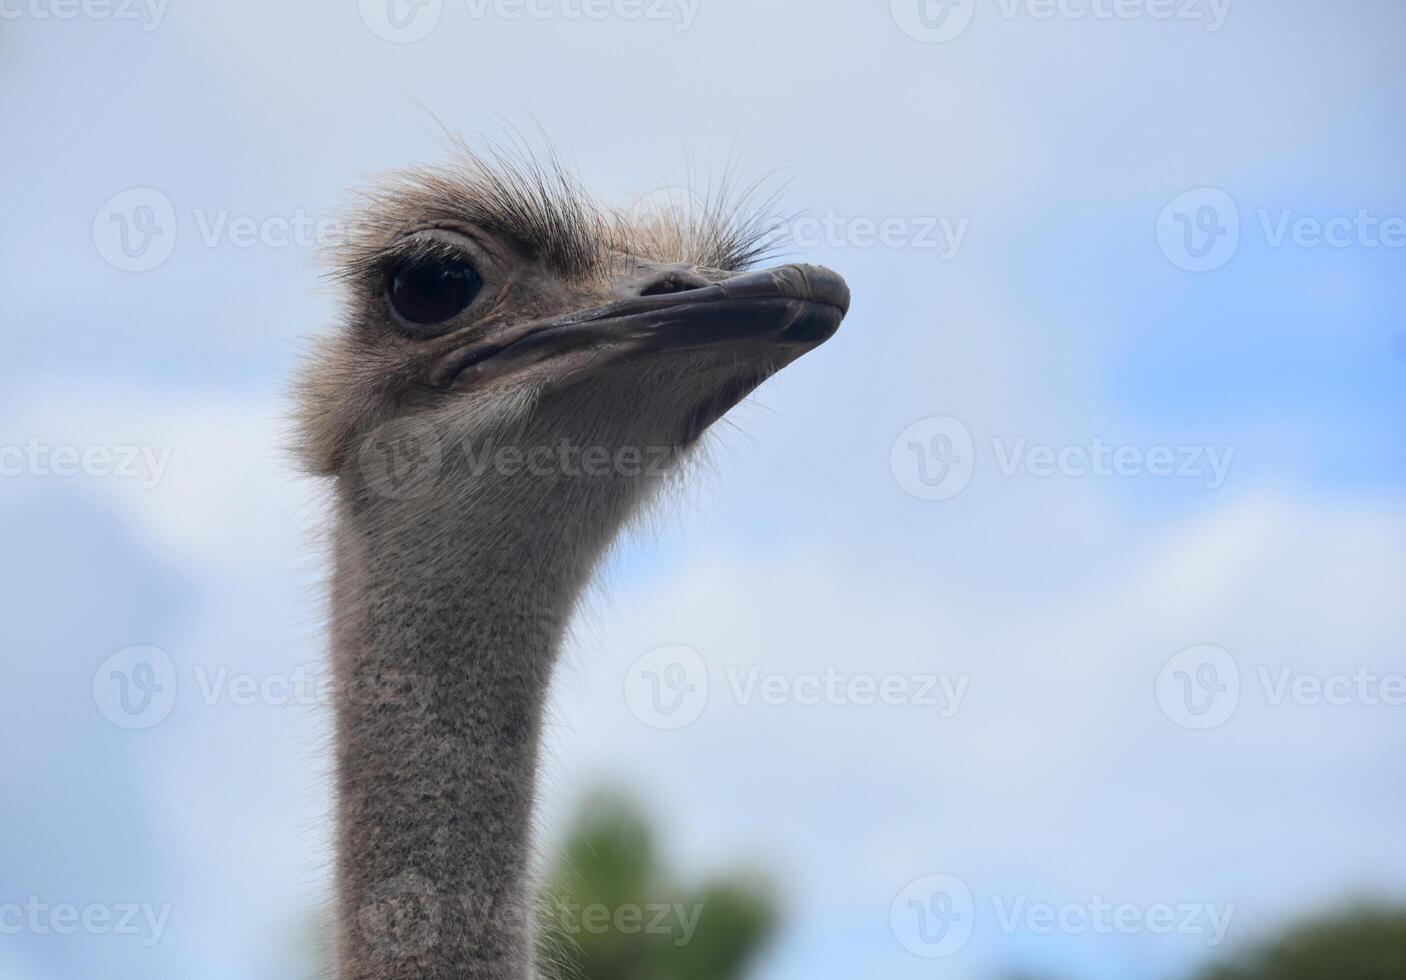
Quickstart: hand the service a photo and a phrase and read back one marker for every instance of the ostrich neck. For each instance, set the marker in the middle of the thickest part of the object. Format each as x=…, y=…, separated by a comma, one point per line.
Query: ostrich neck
x=446, y=624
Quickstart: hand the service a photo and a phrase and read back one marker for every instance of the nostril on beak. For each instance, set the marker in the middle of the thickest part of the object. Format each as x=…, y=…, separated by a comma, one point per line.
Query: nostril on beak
x=673, y=281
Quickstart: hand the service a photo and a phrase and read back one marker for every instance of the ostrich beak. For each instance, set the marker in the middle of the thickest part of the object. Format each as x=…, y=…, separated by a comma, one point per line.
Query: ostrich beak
x=783, y=311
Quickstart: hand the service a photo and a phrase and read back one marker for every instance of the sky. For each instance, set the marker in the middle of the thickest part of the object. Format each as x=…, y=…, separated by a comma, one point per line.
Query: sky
x=1066, y=578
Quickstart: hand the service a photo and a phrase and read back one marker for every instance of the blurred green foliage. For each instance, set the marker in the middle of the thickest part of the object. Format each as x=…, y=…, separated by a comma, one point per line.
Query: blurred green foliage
x=613, y=910
x=1361, y=943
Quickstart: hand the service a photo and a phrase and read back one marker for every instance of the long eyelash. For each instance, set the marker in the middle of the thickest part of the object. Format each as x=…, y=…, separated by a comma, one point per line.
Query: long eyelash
x=377, y=267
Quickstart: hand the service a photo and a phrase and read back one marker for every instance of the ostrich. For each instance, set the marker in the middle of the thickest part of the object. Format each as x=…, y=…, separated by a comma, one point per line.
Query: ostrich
x=501, y=332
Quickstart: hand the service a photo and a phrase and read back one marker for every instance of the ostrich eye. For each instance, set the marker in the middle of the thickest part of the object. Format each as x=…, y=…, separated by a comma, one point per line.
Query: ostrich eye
x=432, y=290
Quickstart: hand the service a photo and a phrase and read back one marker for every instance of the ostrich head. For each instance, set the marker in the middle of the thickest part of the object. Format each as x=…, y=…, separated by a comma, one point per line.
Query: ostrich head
x=492, y=305
x=514, y=365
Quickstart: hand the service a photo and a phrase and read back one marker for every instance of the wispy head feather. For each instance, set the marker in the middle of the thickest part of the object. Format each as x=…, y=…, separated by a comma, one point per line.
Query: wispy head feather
x=530, y=198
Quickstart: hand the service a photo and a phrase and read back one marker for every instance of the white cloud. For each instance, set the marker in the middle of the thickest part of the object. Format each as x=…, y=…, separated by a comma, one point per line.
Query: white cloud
x=223, y=493
x=1060, y=763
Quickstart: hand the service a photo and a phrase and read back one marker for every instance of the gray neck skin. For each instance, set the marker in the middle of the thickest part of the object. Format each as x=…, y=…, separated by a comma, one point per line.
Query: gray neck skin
x=447, y=617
